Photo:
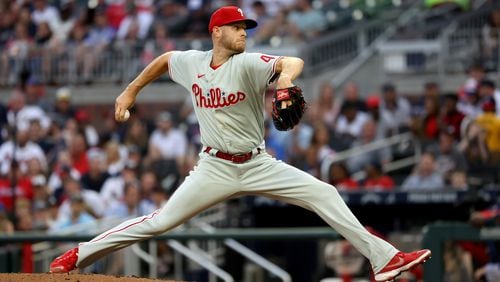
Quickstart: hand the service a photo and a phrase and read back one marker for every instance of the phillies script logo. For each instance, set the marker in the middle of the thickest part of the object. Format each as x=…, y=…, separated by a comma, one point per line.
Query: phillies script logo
x=216, y=98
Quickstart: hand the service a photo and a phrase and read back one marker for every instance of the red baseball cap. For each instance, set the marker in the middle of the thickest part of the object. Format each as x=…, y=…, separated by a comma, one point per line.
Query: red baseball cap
x=228, y=15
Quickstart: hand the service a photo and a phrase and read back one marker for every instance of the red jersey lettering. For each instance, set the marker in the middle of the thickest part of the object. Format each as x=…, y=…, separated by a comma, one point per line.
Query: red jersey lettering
x=215, y=98
x=266, y=58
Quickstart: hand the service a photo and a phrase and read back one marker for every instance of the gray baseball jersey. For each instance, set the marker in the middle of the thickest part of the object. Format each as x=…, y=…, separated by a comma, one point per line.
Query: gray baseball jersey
x=225, y=97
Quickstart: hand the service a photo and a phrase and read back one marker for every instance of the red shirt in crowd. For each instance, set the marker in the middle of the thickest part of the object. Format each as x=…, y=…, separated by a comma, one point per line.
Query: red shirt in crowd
x=383, y=183
x=24, y=189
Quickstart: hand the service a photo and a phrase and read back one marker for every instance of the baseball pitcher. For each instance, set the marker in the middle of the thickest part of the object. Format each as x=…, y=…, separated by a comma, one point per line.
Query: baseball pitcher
x=227, y=87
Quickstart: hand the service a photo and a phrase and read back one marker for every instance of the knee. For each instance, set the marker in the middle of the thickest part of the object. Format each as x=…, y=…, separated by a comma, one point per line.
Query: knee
x=160, y=224
x=323, y=192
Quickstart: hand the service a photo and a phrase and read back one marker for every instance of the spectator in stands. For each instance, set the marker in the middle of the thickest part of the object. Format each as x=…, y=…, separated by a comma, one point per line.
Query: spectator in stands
x=112, y=189
x=259, y=12
x=24, y=150
x=343, y=261
x=375, y=179
x=431, y=90
x=470, y=104
x=305, y=21
x=115, y=11
x=78, y=151
x=158, y=44
x=273, y=6
x=424, y=176
x=276, y=30
x=39, y=136
x=167, y=142
x=95, y=177
x=458, y=180
x=351, y=96
x=66, y=22
x=61, y=170
x=327, y=106
x=427, y=125
x=34, y=90
x=6, y=226
x=319, y=149
x=490, y=123
x=93, y=203
x=340, y=177
x=488, y=92
x=173, y=16
x=149, y=182
x=43, y=35
x=475, y=74
x=21, y=114
x=491, y=40
x=198, y=18
x=489, y=217
x=473, y=146
x=450, y=117
x=100, y=36
x=16, y=49
x=447, y=156
x=23, y=189
x=7, y=22
x=43, y=12
x=85, y=126
x=394, y=110
x=115, y=161
x=137, y=136
x=350, y=122
x=136, y=24
x=368, y=135
x=42, y=203
x=78, y=214
x=63, y=109
x=84, y=57
x=131, y=204
x=159, y=197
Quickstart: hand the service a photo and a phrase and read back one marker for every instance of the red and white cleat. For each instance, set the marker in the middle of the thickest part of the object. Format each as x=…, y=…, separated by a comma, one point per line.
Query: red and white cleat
x=402, y=262
x=65, y=262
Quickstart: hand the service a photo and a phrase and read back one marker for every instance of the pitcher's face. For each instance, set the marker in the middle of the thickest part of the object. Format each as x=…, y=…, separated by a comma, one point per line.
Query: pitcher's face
x=234, y=37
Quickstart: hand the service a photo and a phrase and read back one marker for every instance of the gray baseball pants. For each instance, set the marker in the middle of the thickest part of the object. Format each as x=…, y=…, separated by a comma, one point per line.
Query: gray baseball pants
x=214, y=180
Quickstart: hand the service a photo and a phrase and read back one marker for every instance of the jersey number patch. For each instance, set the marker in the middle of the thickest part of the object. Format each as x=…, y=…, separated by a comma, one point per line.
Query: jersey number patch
x=266, y=58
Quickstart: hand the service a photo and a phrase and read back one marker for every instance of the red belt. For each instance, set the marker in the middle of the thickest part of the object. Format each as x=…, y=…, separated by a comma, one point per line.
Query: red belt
x=235, y=158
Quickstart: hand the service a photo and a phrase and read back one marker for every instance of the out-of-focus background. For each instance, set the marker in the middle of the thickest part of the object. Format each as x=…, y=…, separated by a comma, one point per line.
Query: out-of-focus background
x=403, y=118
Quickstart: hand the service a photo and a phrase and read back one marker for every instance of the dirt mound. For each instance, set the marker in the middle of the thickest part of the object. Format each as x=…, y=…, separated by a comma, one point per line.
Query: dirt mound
x=48, y=277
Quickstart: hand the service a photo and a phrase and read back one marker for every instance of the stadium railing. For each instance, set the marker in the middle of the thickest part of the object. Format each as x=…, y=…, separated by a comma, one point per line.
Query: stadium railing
x=436, y=234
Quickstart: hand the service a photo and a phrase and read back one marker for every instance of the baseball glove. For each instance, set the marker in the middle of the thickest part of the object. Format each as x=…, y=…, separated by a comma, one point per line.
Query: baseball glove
x=288, y=107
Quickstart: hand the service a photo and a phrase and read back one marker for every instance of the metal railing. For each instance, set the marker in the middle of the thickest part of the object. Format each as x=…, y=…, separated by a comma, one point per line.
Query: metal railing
x=174, y=238
x=436, y=234
x=339, y=48
x=376, y=145
x=372, y=46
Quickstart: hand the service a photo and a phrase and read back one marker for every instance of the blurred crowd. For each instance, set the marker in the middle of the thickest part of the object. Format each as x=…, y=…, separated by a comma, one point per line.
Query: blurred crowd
x=61, y=166
x=47, y=36
x=56, y=153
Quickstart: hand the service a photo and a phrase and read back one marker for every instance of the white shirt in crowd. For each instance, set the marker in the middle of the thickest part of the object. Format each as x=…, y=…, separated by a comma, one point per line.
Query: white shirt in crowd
x=26, y=115
x=171, y=144
x=352, y=128
x=23, y=156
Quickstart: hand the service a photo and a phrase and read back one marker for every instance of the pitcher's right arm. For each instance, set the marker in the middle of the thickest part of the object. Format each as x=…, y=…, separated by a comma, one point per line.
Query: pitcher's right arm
x=151, y=72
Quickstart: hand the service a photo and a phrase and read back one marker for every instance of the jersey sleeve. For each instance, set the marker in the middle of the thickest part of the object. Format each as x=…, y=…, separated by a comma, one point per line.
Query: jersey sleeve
x=262, y=66
x=179, y=68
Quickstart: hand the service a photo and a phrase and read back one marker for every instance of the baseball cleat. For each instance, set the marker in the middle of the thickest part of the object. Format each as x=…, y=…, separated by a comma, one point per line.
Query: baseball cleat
x=65, y=262
x=402, y=262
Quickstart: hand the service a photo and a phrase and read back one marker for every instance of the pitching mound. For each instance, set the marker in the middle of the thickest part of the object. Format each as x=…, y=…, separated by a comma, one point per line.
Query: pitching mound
x=47, y=277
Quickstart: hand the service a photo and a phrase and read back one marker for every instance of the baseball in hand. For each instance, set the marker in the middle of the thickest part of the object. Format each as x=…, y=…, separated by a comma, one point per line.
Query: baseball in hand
x=126, y=116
